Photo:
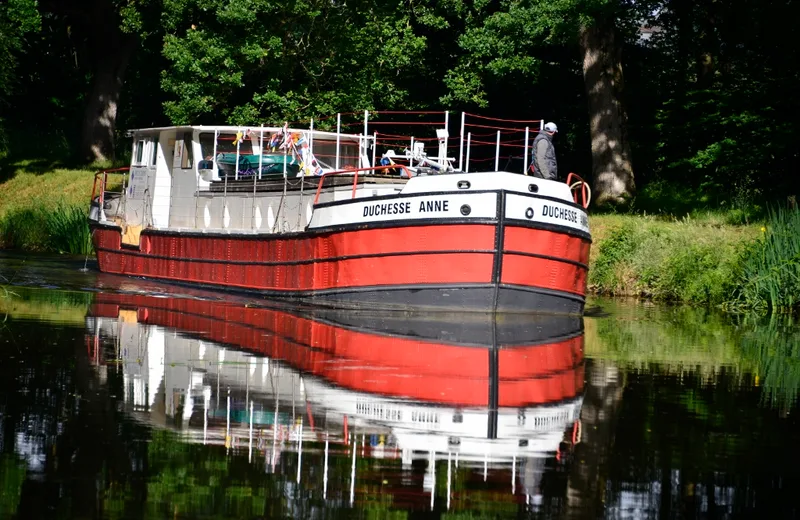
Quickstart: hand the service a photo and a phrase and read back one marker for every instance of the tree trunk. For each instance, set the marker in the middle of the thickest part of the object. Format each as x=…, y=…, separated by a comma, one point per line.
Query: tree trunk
x=709, y=46
x=602, y=402
x=602, y=74
x=110, y=52
x=100, y=117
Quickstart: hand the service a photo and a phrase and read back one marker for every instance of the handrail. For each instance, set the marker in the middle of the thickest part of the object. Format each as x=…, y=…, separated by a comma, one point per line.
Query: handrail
x=585, y=193
x=104, y=181
x=355, y=171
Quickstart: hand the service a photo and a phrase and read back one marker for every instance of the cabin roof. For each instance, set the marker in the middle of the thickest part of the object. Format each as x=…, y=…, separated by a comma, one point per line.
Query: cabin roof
x=234, y=129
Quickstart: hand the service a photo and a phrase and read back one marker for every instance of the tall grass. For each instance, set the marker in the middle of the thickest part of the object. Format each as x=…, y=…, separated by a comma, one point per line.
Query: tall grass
x=60, y=229
x=771, y=265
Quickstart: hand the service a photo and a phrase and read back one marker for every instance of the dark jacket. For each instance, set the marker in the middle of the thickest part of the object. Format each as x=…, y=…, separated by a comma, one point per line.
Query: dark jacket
x=543, y=157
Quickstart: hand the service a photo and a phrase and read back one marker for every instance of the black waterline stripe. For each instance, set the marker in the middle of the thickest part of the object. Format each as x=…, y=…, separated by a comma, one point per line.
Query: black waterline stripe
x=298, y=262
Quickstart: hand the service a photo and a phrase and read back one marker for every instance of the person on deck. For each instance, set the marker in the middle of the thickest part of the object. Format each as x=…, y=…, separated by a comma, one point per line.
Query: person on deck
x=543, y=155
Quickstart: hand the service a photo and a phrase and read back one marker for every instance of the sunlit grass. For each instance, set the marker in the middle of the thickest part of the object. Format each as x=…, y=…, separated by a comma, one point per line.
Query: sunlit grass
x=691, y=259
x=45, y=212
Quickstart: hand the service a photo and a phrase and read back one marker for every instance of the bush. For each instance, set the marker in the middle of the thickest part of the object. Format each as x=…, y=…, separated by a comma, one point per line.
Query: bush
x=689, y=261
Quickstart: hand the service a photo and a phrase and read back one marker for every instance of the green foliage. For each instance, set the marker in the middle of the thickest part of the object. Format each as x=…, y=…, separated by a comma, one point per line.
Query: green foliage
x=771, y=266
x=773, y=346
x=271, y=61
x=679, y=339
x=17, y=19
x=12, y=476
x=691, y=260
x=58, y=229
x=194, y=481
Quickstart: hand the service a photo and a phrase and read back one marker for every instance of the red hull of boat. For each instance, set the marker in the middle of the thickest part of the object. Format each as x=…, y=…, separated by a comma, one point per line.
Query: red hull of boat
x=424, y=370
x=486, y=266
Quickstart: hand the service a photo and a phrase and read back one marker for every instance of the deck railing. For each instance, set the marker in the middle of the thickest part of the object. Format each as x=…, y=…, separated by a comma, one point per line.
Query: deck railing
x=581, y=193
x=101, y=182
x=354, y=173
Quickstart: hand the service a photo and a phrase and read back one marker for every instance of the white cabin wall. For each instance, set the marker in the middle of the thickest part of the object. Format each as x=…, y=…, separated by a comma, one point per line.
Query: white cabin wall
x=183, y=199
x=197, y=153
x=139, y=187
x=162, y=181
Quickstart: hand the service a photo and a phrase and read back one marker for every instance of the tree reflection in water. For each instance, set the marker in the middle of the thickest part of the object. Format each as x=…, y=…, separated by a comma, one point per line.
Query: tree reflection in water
x=683, y=413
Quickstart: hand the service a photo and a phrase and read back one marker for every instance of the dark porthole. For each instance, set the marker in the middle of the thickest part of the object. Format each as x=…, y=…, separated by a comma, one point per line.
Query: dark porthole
x=463, y=185
x=529, y=213
x=533, y=188
x=466, y=210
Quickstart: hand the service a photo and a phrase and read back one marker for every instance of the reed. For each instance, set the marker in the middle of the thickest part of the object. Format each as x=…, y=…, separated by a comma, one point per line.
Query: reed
x=770, y=267
x=68, y=228
x=62, y=228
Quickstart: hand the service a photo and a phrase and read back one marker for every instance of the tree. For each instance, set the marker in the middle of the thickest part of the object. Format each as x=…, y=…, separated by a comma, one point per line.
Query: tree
x=519, y=38
x=102, y=36
x=612, y=170
x=266, y=60
x=17, y=18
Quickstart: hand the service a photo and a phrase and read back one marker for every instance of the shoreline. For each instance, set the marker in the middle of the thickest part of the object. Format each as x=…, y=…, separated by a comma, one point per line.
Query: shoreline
x=696, y=259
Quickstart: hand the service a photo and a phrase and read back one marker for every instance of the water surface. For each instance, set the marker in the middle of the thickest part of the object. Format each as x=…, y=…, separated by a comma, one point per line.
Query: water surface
x=121, y=398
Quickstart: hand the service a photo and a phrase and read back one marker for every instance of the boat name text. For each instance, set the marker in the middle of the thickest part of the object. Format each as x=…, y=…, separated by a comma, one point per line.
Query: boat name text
x=562, y=213
x=398, y=208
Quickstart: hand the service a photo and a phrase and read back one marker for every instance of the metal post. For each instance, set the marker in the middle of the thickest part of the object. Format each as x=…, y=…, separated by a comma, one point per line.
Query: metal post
x=461, y=145
x=411, y=161
x=353, y=472
x=446, y=119
x=274, y=430
x=250, y=450
x=469, y=141
x=497, y=153
x=228, y=421
x=261, y=156
x=525, y=156
x=449, y=476
x=311, y=139
x=338, y=133
x=432, y=463
x=300, y=452
x=325, y=472
x=206, y=399
x=214, y=157
x=514, y=475
x=366, y=130
x=541, y=125
x=374, y=146
x=236, y=168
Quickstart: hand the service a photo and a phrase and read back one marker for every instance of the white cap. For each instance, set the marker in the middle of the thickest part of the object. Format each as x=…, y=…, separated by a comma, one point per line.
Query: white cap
x=550, y=127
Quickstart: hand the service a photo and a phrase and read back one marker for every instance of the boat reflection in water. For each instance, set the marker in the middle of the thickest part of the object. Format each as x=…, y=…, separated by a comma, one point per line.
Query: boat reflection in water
x=496, y=397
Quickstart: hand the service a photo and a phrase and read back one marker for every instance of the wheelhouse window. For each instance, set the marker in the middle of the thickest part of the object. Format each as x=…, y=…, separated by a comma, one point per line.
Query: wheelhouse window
x=138, y=152
x=153, y=151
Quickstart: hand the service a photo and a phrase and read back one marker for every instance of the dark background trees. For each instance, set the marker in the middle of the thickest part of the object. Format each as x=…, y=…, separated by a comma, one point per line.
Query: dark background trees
x=666, y=104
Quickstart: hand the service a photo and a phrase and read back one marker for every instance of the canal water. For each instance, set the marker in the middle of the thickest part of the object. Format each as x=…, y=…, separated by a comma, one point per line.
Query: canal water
x=121, y=398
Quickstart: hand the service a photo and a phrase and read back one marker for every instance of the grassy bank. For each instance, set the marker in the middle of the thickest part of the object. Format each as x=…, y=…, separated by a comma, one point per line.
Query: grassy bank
x=705, y=258
x=700, y=259
x=693, y=259
x=45, y=211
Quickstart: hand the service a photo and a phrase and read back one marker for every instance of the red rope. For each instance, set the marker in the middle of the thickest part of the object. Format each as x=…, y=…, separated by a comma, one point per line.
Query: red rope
x=509, y=130
x=407, y=112
x=505, y=120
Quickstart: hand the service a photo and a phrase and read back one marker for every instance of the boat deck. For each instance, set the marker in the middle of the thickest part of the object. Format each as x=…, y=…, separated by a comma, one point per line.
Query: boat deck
x=276, y=183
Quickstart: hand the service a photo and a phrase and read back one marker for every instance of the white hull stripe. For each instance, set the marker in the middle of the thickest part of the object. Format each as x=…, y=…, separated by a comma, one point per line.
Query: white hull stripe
x=532, y=209
x=446, y=206
x=440, y=206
